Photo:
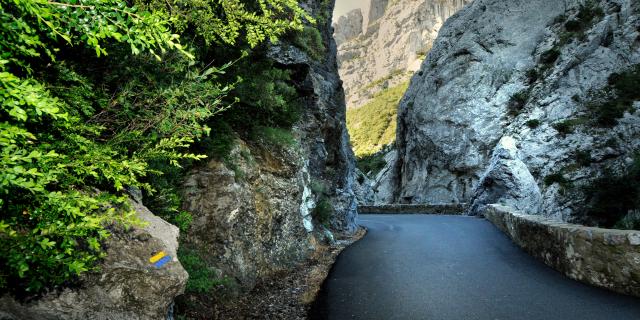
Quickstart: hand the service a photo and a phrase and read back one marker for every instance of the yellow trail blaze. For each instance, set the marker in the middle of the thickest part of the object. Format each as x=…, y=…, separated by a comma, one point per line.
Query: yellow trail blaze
x=157, y=257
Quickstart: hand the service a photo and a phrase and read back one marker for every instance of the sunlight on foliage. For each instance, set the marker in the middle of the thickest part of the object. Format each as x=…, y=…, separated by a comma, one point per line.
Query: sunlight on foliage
x=373, y=125
x=88, y=111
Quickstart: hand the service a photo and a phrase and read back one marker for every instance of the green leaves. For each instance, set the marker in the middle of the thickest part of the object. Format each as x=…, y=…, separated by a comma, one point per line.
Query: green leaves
x=86, y=111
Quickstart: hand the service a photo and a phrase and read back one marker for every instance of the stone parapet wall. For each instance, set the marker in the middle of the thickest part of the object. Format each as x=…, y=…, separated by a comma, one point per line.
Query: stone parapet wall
x=604, y=258
x=446, y=208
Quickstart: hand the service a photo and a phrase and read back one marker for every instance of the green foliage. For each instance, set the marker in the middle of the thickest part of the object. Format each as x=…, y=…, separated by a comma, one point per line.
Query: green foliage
x=318, y=187
x=559, y=179
x=568, y=126
x=275, y=136
x=266, y=96
x=373, y=125
x=534, y=123
x=53, y=157
x=622, y=91
x=518, y=101
x=550, y=56
x=532, y=75
x=183, y=220
x=564, y=127
x=372, y=163
x=612, y=196
x=323, y=211
x=86, y=106
x=202, y=277
x=583, y=158
x=311, y=42
x=225, y=22
x=588, y=14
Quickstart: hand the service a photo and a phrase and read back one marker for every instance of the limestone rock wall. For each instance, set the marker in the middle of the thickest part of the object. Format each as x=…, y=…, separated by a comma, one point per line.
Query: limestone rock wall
x=512, y=68
x=600, y=257
x=258, y=213
x=348, y=26
x=395, y=38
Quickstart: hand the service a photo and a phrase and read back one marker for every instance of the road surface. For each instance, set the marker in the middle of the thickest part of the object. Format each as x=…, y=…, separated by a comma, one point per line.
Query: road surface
x=453, y=267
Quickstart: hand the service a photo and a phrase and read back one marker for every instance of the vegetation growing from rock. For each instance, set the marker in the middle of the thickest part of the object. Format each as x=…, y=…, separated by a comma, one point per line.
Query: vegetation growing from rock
x=620, y=94
x=371, y=164
x=310, y=41
x=518, y=101
x=614, y=196
x=101, y=97
x=373, y=125
x=533, y=123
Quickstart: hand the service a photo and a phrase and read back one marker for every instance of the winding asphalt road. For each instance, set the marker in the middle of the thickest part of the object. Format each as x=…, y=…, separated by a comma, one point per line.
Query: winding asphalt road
x=454, y=268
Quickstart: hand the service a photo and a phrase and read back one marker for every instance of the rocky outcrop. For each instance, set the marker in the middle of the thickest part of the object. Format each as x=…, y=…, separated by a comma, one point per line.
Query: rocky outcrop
x=128, y=285
x=248, y=216
x=363, y=189
x=384, y=184
x=395, y=38
x=507, y=181
x=496, y=69
x=600, y=257
x=348, y=26
x=265, y=208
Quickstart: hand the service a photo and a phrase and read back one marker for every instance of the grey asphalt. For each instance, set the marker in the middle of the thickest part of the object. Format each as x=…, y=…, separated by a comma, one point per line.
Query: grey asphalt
x=454, y=267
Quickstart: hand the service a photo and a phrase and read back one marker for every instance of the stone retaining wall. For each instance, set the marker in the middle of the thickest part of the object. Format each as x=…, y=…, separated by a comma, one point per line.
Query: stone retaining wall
x=601, y=257
x=447, y=208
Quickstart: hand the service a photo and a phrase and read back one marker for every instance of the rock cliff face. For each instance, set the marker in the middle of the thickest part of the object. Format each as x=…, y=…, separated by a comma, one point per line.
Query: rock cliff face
x=128, y=285
x=550, y=74
x=264, y=213
x=348, y=26
x=392, y=43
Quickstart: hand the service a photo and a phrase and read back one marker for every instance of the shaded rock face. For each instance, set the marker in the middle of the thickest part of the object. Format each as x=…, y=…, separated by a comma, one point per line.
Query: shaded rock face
x=394, y=40
x=259, y=215
x=128, y=286
x=461, y=102
x=507, y=181
x=247, y=218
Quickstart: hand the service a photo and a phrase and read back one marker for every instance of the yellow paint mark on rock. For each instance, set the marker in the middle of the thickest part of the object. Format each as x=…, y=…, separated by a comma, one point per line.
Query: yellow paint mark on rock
x=157, y=257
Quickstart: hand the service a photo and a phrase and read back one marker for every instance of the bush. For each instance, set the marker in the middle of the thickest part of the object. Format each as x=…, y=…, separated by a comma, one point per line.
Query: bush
x=372, y=163
x=612, y=196
x=202, y=277
x=550, y=56
x=275, y=136
x=532, y=75
x=518, y=101
x=183, y=220
x=534, y=123
x=323, y=211
x=588, y=13
x=311, y=42
x=622, y=90
x=564, y=127
x=560, y=180
x=568, y=126
x=583, y=158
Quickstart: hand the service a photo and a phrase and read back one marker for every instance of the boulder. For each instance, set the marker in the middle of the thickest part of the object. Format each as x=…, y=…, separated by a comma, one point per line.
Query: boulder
x=507, y=181
x=127, y=287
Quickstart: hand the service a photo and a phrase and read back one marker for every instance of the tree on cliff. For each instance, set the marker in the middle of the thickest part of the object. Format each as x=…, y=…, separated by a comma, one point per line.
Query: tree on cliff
x=91, y=93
